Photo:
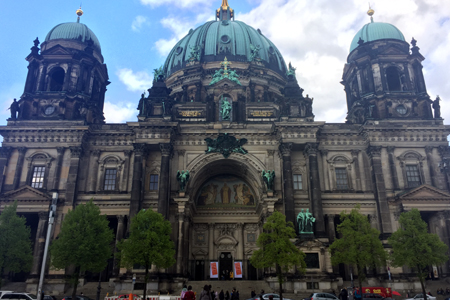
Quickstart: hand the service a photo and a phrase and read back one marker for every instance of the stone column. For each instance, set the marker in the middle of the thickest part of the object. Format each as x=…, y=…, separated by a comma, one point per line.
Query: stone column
x=136, y=187
x=270, y=162
x=392, y=167
x=326, y=175
x=240, y=246
x=163, y=200
x=316, y=193
x=331, y=228
x=72, y=178
x=5, y=153
x=67, y=78
x=429, y=152
x=95, y=155
x=384, y=218
x=211, y=241
x=119, y=237
x=355, y=156
x=288, y=187
x=126, y=170
x=181, y=154
x=39, y=243
x=59, y=161
x=181, y=215
x=41, y=85
x=19, y=167
x=442, y=219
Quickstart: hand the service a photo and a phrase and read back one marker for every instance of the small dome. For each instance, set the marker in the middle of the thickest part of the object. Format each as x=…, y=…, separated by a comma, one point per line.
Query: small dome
x=73, y=31
x=227, y=38
x=376, y=31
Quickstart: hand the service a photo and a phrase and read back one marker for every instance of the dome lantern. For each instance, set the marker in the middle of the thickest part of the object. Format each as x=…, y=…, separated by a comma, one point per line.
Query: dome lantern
x=224, y=12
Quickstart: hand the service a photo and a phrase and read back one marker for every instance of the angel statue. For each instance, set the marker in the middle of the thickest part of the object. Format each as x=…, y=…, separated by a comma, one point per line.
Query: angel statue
x=254, y=52
x=183, y=178
x=268, y=177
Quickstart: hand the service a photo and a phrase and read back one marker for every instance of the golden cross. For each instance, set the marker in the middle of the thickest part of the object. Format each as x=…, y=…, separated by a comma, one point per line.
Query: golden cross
x=225, y=64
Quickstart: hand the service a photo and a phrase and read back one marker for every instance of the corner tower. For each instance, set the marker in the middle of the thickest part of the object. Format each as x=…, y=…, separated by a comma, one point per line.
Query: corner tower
x=66, y=78
x=383, y=77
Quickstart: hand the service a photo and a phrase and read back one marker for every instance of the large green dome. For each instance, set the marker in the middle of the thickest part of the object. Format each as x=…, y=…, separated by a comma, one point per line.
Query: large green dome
x=220, y=39
x=73, y=31
x=376, y=31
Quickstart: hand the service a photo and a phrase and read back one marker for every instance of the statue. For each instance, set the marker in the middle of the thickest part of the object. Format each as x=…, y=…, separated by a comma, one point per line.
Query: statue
x=291, y=71
x=437, y=108
x=183, y=178
x=233, y=76
x=268, y=177
x=225, y=144
x=195, y=54
x=254, y=53
x=225, y=109
x=158, y=74
x=217, y=76
x=305, y=222
x=141, y=105
x=14, y=109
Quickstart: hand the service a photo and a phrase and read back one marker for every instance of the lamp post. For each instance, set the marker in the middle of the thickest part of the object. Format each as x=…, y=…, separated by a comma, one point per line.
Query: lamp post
x=51, y=218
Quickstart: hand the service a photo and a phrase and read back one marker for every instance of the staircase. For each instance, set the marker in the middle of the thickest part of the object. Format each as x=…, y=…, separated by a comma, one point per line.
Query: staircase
x=244, y=287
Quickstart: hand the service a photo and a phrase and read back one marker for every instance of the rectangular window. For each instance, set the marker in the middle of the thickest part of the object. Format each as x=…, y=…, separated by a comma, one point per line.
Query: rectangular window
x=37, y=181
x=312, y=260
x=110, y=179
x=153, y=182
x=298, y=184
x=341, y=179
x=412, y=176
x=312, y=285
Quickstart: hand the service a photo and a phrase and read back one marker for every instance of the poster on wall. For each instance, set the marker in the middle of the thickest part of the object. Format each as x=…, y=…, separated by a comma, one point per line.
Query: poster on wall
x=237, y=269
x=214, y=269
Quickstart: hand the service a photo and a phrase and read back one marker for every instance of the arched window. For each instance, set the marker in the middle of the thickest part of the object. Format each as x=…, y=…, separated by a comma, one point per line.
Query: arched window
x=393, y=79
x=56, y=79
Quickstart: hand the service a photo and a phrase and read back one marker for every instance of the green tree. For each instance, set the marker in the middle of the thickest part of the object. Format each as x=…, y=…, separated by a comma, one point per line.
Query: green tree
x=276, y=249
x=149, y=243
x=414, y=247
x=84, y=242
x=15, y=245
x=359, y=246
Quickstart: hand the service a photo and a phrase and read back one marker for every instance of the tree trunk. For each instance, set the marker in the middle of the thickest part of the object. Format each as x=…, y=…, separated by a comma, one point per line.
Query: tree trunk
x=76, y=277
x=145, y=282
x=280, y=280
x=420, y=273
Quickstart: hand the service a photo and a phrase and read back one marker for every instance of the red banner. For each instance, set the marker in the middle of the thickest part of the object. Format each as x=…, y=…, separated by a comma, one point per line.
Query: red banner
x=214, y=270
x=237, y=269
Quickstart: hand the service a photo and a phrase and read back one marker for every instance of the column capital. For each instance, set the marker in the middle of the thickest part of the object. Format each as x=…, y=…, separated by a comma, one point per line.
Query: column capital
x=128, y=153
x=43, y=215
x=5, y=152
x=311, y=149
x=96, y=153
x=120, y=218
x=324, y=152
x=270, y=152
x=429, y=149
x=140, y=148
x=390, y=149
x=166, y=149
x=285, y=149
x=61, y=150
x=181, y=152
x=374, y=151
x=22, y=150
x=355, y=152
x=76, y=152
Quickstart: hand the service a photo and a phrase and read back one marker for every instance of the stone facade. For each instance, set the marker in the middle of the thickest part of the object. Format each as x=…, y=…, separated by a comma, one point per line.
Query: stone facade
x=390, y=156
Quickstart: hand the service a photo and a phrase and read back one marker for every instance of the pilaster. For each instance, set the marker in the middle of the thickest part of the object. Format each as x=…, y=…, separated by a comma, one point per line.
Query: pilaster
x=163, y=200
x=72, y=178
x=288, y=186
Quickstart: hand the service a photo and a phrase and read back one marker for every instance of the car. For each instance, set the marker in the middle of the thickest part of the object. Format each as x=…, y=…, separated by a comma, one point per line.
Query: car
x=322, y=296
x=18, y=296
x=266, y=297
x=370, y=296
x=79, y=297
x=4, y=292
x=420, y=297
x=48, y=297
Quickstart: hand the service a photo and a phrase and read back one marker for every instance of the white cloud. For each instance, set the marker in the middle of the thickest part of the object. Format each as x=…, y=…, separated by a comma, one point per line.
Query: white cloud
x=138, y=22
x=135, y=82
x=120, y=112
x=177, y=3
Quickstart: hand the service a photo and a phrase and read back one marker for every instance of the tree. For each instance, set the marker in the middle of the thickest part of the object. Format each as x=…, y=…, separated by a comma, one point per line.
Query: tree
x=276, y=249
x=15, y=244
x=414, y=247
x=359, y=246
x=149, y=243
x=84, y=242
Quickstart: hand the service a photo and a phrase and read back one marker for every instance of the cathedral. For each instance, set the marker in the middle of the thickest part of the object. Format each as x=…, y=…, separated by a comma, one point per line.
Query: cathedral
x=224, y=137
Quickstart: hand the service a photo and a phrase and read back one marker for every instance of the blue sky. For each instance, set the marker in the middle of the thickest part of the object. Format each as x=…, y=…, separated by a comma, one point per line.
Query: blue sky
x=136, y=36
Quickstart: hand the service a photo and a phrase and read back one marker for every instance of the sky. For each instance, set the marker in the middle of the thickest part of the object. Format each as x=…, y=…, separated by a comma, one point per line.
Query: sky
x=137, y=35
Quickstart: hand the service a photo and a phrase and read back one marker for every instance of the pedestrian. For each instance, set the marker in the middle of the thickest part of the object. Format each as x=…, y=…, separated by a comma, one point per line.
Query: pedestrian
x=217, y=295
x=205, y=294
x=343, y=295
x=237, y=295
x=227, y=296
x=183, y=292
x=231, y=275
x=357, y=294
x=253, y=293
x=221, y=295
x=189, y=295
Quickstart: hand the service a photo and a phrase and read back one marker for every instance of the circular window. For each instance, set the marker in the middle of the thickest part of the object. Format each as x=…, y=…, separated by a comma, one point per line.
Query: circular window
x=179, y=50
x=49, y=110
x=271, y=50
x=225, y=23
x=401, y=110
x=225, y=39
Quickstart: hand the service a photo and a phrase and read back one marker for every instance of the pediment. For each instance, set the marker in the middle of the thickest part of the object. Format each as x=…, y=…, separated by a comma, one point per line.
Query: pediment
x=424, y=192
x=199, y=253
x=224, y=83
x=226, y=240
x=392, y=50
x=57, y=50
x=26, y=193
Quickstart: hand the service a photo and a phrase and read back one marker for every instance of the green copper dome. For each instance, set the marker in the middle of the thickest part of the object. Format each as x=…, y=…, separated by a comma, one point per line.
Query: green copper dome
x=73, y=31
x=216, y=40
x=376, y=31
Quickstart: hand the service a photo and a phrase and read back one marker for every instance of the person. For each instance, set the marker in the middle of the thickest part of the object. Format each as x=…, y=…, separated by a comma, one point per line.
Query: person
x=237, y=295
x=205, y=294
x=343, y=295
x=189, y=295
x=270, y=297
x=216, y=295
x=227, y=296
x=183, y=292
x=253, y=294
x=231, y=275
x=357, y=294
x=221, y=295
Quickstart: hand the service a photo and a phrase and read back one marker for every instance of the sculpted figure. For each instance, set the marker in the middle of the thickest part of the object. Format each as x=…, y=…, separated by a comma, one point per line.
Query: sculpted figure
x=226, y=109
x=183, y=178
x=436, y=107
x=268, y=177
x=14, y=109
x=309, y=221
x=301, y=221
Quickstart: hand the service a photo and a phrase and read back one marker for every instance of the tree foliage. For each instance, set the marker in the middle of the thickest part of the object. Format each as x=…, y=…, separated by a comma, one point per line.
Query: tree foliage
x=15, y=245
x=149, y=243
x=84, y=242
x=359, y=246
x=414, y=247
x=276, y=249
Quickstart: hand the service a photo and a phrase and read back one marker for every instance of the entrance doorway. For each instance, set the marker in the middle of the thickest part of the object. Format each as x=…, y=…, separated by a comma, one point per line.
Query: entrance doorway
x=225, y=265
x=199, y=270
x=251, y=271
